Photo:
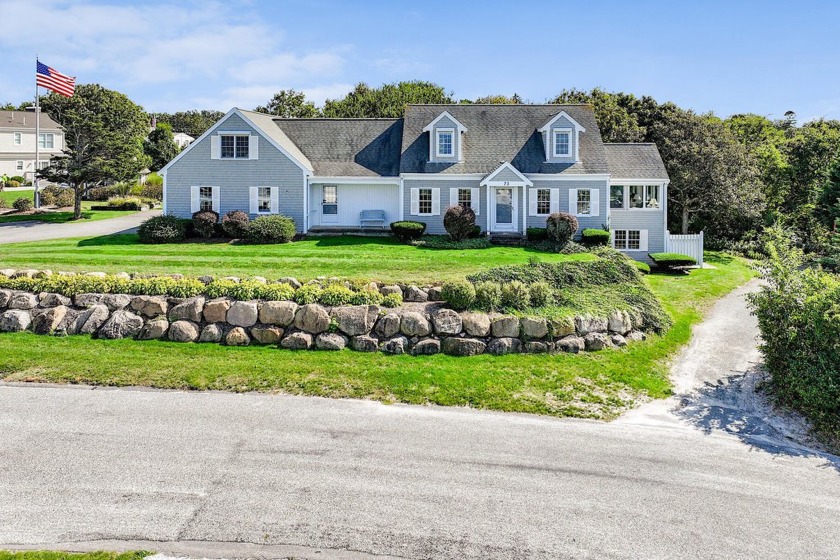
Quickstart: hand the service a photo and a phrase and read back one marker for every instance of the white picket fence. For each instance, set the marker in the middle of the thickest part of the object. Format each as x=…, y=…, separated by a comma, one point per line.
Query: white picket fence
x=690, y=244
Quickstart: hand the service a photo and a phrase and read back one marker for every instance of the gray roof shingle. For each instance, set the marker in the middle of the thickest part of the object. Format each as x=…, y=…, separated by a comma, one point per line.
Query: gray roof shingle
x=635, y=161
x=26, y=120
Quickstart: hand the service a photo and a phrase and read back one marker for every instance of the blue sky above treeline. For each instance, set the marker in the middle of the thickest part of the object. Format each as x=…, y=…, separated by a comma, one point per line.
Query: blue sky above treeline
x=722, y=56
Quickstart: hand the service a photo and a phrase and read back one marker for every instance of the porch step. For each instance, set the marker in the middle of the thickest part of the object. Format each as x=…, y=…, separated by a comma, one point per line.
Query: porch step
x=506, y=239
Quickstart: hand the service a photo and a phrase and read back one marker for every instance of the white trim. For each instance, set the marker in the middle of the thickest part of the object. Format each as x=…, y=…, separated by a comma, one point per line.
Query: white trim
x=235, y=135
x=554, y=134
x=442, y=176
x=626, y=197
x=313, y=180
x=643, y=239
x=547, y=126
x=618, y=181
x=402, y=200
x=164, y=192
x=489, y=182
x=515, y=225
x=451, y=132
x=567, y=176
x=458, y=125
x=306, y=187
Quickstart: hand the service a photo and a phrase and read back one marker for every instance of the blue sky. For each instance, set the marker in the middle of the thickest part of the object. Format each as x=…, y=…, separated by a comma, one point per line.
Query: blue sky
x=727, y=57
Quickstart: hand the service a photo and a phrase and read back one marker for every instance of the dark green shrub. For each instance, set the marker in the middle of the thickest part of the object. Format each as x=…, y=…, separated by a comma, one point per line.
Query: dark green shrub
x=162, y=229
x=22, y=204
x=49, y=195
x=475, y=233
x=561, y=227
x=540, y=293
x=516, y=295
x=235, y=224
x=535, y=234
x=100, y=194
x=459, y=222
x=488, y=296
x=406, y=230
x=131, y=203
x=204, y=223
x=672, y=261
x=594, y=237
x=459, y=294
x=18, y=179
x=271, y=229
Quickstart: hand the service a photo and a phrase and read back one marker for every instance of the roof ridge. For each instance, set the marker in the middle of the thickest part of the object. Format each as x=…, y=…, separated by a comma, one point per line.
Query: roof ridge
x=333, y=119
x=498, y=104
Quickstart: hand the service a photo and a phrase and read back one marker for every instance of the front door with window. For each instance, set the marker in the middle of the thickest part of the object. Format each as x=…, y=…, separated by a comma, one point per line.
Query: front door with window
x=329, y=205
x=503, y=215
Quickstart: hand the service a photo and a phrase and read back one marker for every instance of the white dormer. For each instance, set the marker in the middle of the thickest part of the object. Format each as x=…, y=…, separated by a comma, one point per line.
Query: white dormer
x=445, y=140
x=561, y=137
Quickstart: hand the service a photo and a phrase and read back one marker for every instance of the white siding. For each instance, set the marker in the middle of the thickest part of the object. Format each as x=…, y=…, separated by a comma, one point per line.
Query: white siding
x=352, y=199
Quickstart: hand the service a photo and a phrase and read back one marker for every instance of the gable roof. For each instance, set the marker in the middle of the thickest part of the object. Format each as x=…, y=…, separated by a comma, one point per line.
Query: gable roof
x=635, y=161
x=547, y=126
x=347, y=147
x=500, y=133
x=24, y=120
x=445, y=114
x=505, y=166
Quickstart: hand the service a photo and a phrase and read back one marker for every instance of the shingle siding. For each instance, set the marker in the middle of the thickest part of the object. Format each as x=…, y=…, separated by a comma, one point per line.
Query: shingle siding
x=434, y=224
x=563, y=123
x=234, y=177
x=597, y=222
x=651, y=220
x=507, y=175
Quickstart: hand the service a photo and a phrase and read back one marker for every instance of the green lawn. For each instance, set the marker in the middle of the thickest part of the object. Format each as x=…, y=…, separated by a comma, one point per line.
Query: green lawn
x=60, y=217
x=55, y=555
x=356, y=258
x=596, y=385
x=10, y=196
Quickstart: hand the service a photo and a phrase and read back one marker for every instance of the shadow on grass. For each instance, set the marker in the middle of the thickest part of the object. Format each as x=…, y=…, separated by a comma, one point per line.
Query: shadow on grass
x=351, y=240
x=113, y=239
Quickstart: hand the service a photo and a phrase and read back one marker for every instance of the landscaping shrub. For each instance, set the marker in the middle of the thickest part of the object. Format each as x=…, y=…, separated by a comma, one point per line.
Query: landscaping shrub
x=392, y=300
x=459, y=222
x=154, y=192
x=407, y=231
x=335, y=294
x=308, y=293
x=132, y=203
x=204, y=223
x=271, y=229
x=672, y=261
x=101, y=194
x=643, y=267
x=459, y=294
x=162, y=229
x=18, y=179
x=14, y=184
x=535, y=234
x=540, y=293
x=475, y=233
x=561, y=227
x=65, y=198
x=277, y=291
x=516, y=295
x=594, y=237
x=366, y=297
x=22, y=204
x=235, y=224
x=488, y=296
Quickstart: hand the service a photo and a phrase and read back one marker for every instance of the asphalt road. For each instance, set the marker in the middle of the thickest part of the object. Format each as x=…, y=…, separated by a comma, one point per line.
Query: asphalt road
x=702, y=475
x=16, y=232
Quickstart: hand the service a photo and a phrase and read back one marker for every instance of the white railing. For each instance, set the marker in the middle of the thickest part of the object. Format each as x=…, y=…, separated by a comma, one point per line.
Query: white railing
x=690, y=244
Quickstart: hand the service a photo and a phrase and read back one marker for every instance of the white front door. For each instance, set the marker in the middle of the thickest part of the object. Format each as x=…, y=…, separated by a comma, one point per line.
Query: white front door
x=504, y=209
x=329, y=205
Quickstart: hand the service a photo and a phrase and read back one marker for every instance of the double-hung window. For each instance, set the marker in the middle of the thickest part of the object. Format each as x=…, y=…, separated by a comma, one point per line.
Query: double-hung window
x=234, y=146
x=445, y=142
x=465, y=198
x=616, y=196
x=627, y=239
x=46, y=140
x=17, y=138
x=562, y=143
x=205, y=198
x=543, y=202
x=425, y=198
x=584, y=202
x=264, y=200
x=19, y=165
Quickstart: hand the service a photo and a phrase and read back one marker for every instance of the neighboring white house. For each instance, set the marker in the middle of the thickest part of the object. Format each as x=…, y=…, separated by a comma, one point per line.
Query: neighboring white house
x=183, y=139
x=17, y=143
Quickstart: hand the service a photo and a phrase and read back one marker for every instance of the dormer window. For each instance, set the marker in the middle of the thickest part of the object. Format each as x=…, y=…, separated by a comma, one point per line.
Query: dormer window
x=444, y=142
x=562, y=142
x=235, y=146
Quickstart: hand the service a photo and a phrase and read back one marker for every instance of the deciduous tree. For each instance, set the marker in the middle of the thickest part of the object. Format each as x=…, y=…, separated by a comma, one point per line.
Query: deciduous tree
x=160, y=146
x=289, y=103
x=387, y=101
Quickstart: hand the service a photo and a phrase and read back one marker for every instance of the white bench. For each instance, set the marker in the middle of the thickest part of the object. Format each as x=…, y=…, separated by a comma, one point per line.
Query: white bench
x=373, y=217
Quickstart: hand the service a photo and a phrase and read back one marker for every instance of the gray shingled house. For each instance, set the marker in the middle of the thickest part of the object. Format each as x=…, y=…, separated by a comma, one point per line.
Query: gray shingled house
x=513, y=164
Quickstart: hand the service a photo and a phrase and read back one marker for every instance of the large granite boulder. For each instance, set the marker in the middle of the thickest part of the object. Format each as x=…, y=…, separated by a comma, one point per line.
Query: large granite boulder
x=427, y=347
x=447, y=322
x=215, y=310
x=265, y=334
x=242, y=313
x=121, y=324
x=330, y=341
x=212, y=333
x=413, y=323
x=15, y=320
x=415, y=294
x=596, y=341
x=570, y=343
x=154, y=329
x=5, y=297
x=189, y=309
x=507, y=345
x=115, y=301
x=297, y=341
x=52, y=300
x=48, y=321
x=585, y=324
x=396, y=345
x=504, y=326
x=534, y=327
x=476, y=324
x=237, y=337
x=462, y=346
x=91, y=319
x=183, y=331
x=620, y=322
x=280, y=313
x=354, y=320
x=388, y=325
x=23, y=300
x=150, y=306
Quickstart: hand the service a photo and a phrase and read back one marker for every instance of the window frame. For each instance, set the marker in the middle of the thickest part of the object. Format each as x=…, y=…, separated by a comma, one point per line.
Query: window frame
x=646, y=198
x=468, y=202
x=45, y=135
x=547, y=201
x=20, y=165
x=202, y=199
x=555, y=144
x=588, y=202
x=623, y=197
x=333, y=202
x=621, y=239
x=235, y=147
x=421, y=201
x=17, y=138
x=261, y=199
x=440, y=132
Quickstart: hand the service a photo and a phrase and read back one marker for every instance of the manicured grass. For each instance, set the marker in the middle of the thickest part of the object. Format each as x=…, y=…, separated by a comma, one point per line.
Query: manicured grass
x=597, y=385
x=10, y=196
x=55, y=555
x=61, y=217
x=357, y=258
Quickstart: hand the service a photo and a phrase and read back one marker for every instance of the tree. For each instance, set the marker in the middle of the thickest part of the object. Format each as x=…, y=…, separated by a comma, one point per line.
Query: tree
x=828, y=205
x=289, y=103
x=616, y=113
x=103, y=132
x=388, y=101
x=515, y=99
x=195, y=123
x=160, y=146
x=20, y=107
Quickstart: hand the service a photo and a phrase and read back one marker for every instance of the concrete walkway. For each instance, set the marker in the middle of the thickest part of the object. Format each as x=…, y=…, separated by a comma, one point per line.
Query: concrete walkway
x=16, y=232
x=209, y=474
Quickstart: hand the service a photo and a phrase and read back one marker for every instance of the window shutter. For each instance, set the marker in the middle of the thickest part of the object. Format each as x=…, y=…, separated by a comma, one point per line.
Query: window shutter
x=275, y=200
x=215, y=147
x=475, y=200
x=194, y=204
x=643, y=240
x=573, y=202
x=415, y=202
x=453, y=197
x=254, y=147
x=216, y=205
x=436, y=202
x=554, y=205
x=594, y=203
x=252, y=196
x=532, y=202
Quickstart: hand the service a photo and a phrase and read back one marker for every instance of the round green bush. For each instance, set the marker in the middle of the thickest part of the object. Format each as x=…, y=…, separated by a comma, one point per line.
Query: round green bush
x=271, y=229
x=488, y=295
x=595, y=237
x=516, y=295
x=308, y=294
x=407, y=231
x=392, y=300
x=22, y=204
x=335, y=294
x=65, y=198
x=541, y=294
x=366, y=297
x=48, y=195
x=560, y=227
x=276, y=291
x=235, y=224
x=459, y=222
x=162, y=229
x=459, y=294
x=14, y=184
x=204, y=223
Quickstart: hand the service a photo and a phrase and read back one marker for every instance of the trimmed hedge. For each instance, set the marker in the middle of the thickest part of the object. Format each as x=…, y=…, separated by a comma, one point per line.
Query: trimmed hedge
x=235, y=224
x=671, y=261
x=594, y=237
x=535, y=234
x=407, y=230
x=162, y=229
x=459, y=294
x=561, y=227
x=271, y=229
x=204, y=223
x=459, y=222
x=643, y=267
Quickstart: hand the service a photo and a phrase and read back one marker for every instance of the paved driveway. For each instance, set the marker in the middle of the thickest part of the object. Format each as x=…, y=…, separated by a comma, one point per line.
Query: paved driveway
x=16, y=232
x=220, y=474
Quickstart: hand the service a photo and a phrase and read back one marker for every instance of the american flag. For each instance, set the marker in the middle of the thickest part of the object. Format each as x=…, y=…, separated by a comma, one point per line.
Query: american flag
x=56, y=81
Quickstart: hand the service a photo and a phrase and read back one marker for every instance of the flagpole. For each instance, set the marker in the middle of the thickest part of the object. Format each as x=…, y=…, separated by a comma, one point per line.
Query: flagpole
x=37, y=136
